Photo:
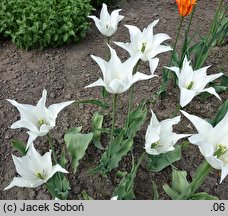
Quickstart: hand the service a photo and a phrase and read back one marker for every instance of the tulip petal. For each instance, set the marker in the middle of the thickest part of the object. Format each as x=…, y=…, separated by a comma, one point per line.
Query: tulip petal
x=224, y=173
x=201, y=125
x=56, y=108
x=205, y=147
x=215, y=162
x=55, y=169
x=186, y=96
x=159, y=38
x=177, y=137
x=25, y=110
x=211, y=90
x=115, y=17
x=174, y=69
x=99, y=82
x=153, y=64
x=24, y=124
x=125, y=46
x=21, y=182
x=140, y=76
x=117, y=87
x=133, y=31
x=32, y=137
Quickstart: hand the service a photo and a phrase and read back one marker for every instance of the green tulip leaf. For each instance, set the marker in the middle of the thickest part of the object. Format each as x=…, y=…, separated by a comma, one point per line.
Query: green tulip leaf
x=156, y=163
x=136, y=119
x=20, y=146
x=97, y=122
x=203, y=196
x=221, y=112
x=124, y=190
x=77, y=143
x=179, y=182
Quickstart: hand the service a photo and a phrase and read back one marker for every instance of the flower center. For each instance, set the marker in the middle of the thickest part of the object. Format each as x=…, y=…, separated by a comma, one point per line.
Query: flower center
x=221, y=150
x=107, y=26
x=39, y=175
x=190, y=85
x=41, y=122
x=154, y=145
x=143, y=47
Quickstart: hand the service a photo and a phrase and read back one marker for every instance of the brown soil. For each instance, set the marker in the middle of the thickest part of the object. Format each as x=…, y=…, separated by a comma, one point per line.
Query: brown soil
x=65, y=71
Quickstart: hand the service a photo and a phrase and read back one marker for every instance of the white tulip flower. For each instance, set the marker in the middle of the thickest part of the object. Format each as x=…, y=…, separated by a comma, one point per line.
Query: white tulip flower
x=160, y=138
x=34, y=169
x=118, y=77
x=145, y=43
x=107, y=24
x=192, y=83
x=38, y=119
x=114, y=198
x=212, y=142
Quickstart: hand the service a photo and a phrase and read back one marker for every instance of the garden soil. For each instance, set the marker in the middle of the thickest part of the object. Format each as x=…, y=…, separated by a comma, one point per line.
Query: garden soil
x=65, y=71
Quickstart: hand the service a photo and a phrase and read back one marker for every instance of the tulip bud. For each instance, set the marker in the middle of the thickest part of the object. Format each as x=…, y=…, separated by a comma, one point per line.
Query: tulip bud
x=185, y=7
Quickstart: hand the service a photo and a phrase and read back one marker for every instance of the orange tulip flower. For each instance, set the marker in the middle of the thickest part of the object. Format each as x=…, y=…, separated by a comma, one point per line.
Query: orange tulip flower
x=185, y=6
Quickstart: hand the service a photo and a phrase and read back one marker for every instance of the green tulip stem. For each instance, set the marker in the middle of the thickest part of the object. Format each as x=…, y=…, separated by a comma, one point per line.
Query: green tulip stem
x=176, y=40
x=190, y=21
x=201, y=173
x=131, y=95
x=52, y=147
x=177, y=110
x=108, y=51
x=113, y=117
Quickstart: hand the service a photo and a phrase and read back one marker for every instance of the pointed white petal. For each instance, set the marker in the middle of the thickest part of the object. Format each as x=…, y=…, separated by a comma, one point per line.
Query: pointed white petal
x=201, y=125
x=186, y=96
x=212, y=77
x=56, y=108
x=116, y=18
x=224, y=173
x=140, y=76
x=159, y=49
x=125, y=46
x=55, y=169
x=41, y=103
x=211, y=90
x=215, y=162
x=205, y=147
x=159, y=38
x=32, y=137
x=175, y=69
x=133, y=31
x=25, y=110
x=153, y=64
x=99, y=82
x=177, y=137
x=21, y=182
x=24, y=124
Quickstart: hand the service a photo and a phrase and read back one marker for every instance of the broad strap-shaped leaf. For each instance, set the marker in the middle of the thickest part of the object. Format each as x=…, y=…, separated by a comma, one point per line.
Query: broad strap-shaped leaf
x=203, y=196
x=156, y=163
x=155, y=191
x=58, y=186
x=179, y=182
x=20, y=146
x=179, y=185
x=124, y=190
x=77, y=144
x=223, y=109
x=136, y=119
x=115, y=152
x=97, y=122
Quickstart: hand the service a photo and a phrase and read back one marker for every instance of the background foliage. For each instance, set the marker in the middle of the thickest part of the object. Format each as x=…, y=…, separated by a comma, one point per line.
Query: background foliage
x=41, y=23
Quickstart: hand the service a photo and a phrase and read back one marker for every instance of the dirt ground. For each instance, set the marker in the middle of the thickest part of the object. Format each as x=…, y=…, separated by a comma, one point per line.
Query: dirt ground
x=65, y=71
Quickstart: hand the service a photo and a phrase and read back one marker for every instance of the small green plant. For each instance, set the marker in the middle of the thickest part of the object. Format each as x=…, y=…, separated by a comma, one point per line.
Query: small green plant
x=42, y=23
